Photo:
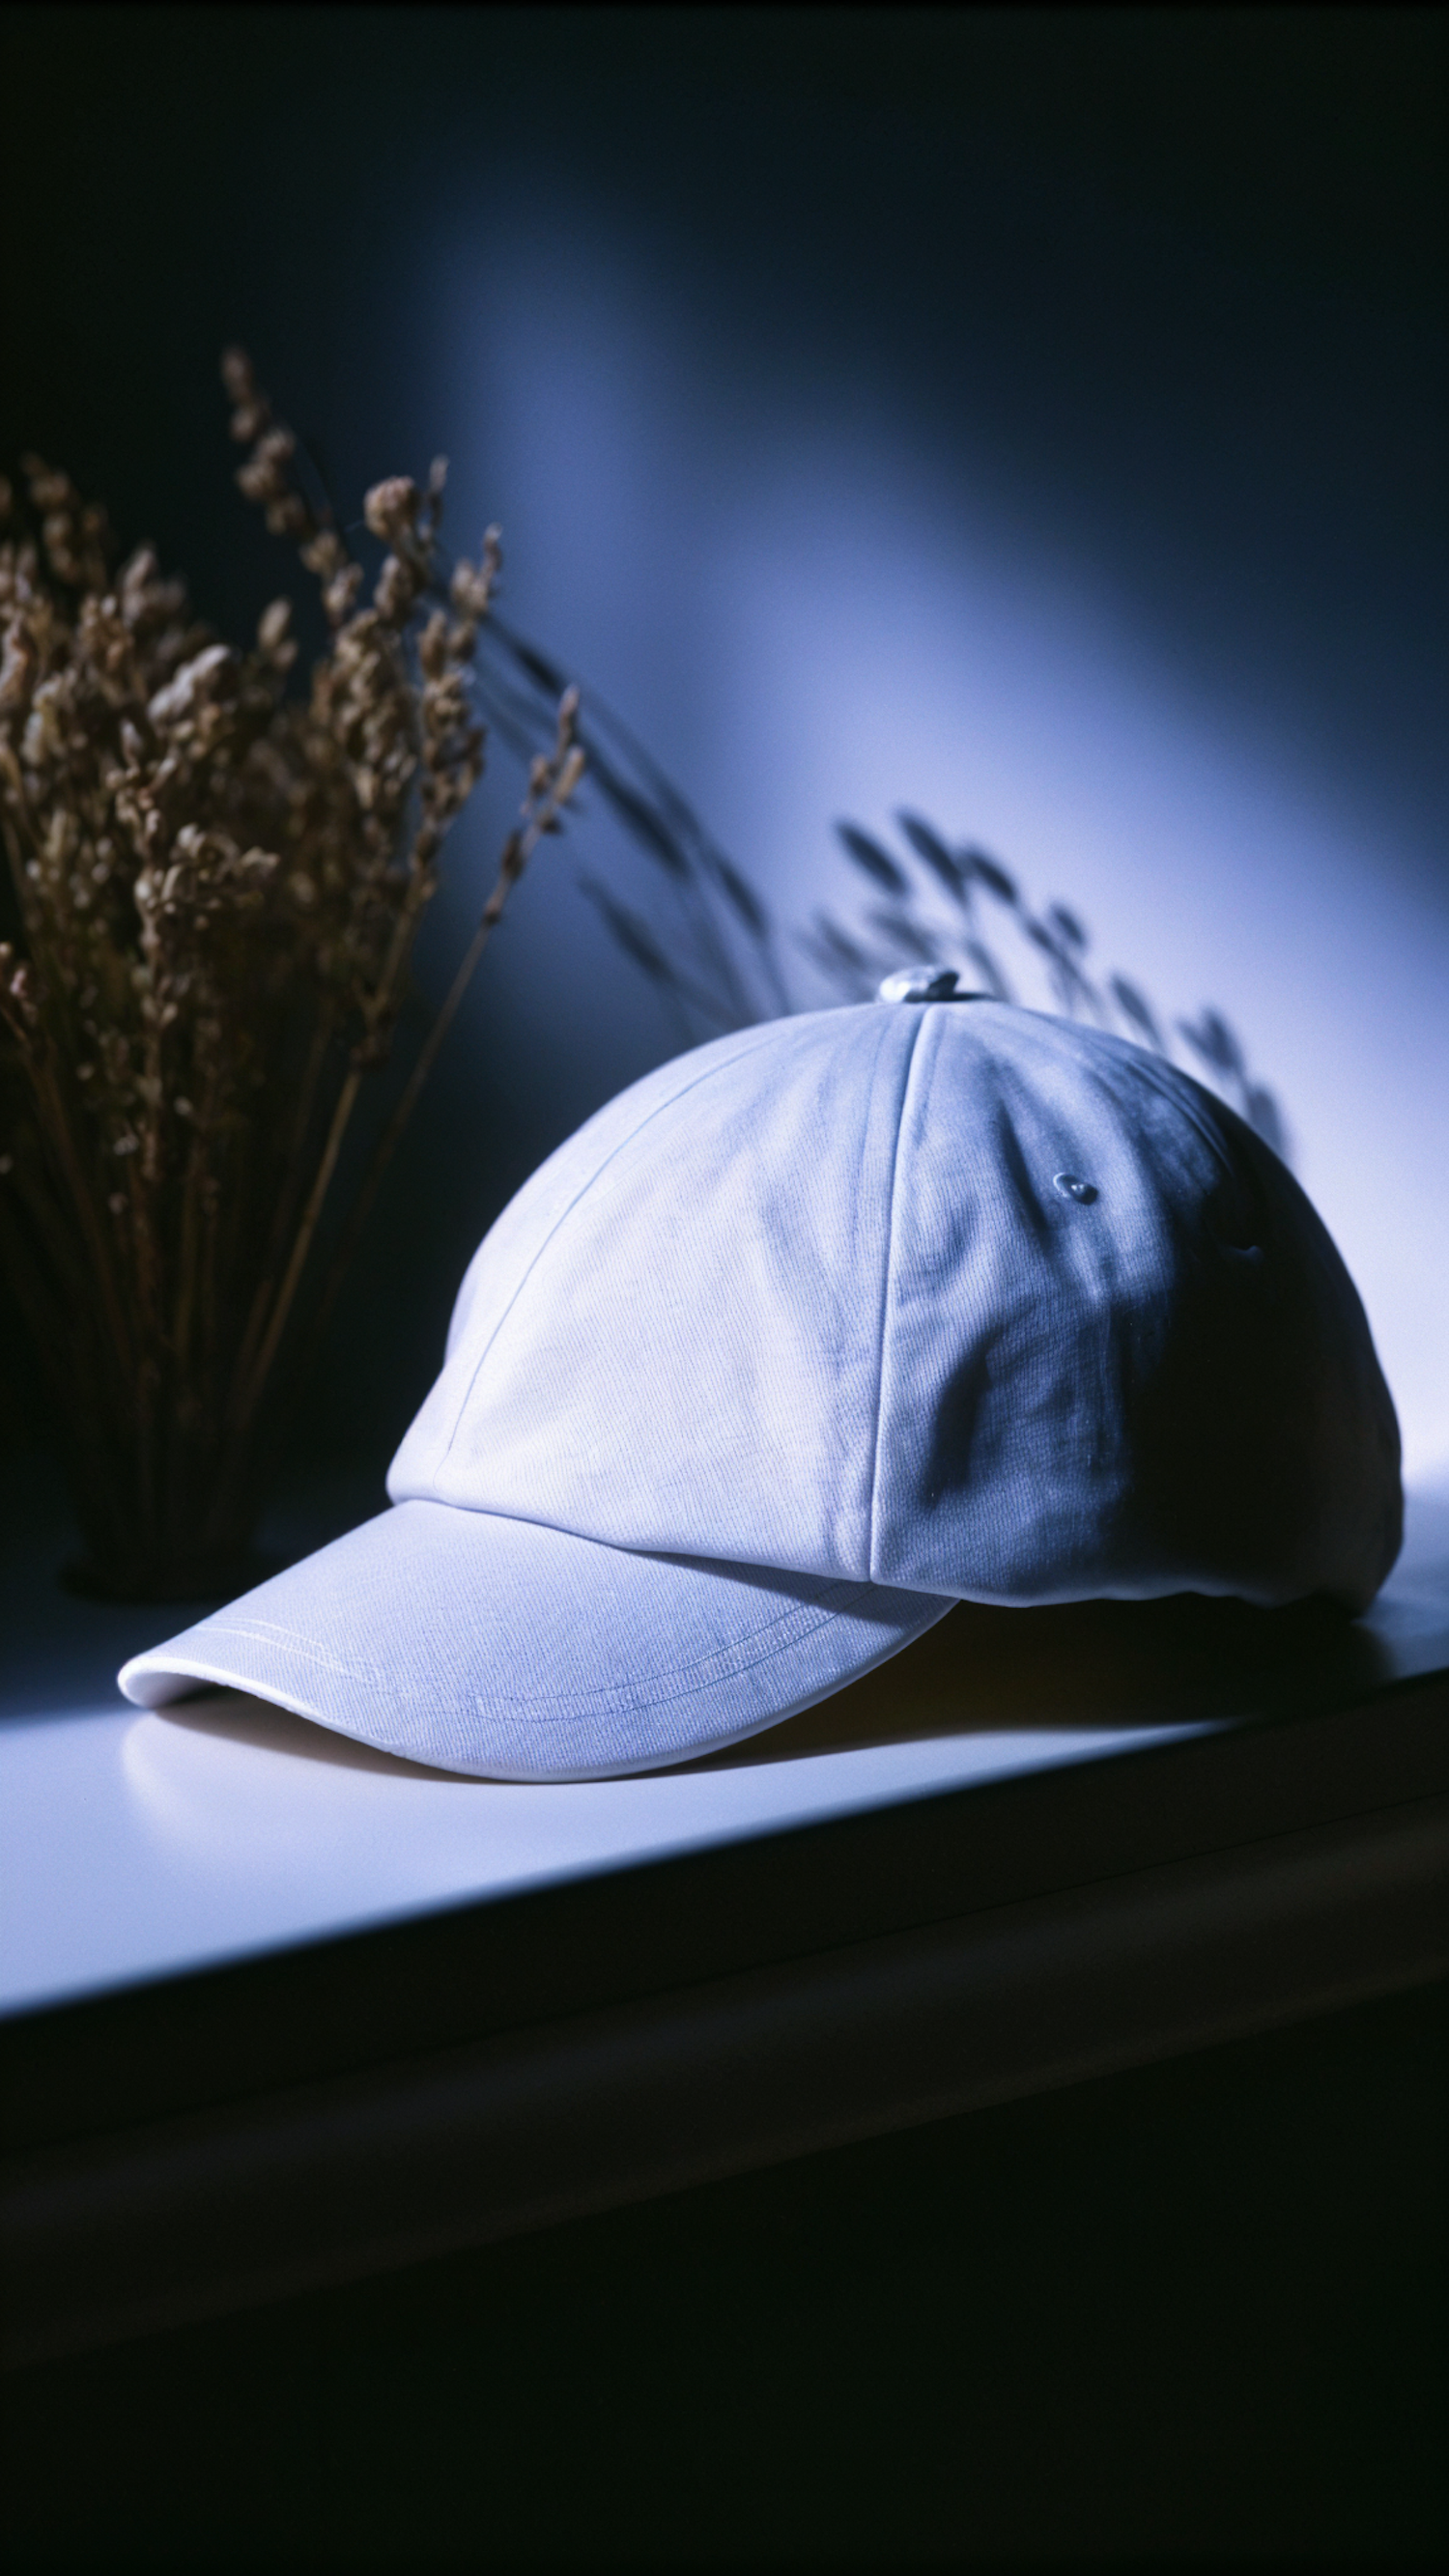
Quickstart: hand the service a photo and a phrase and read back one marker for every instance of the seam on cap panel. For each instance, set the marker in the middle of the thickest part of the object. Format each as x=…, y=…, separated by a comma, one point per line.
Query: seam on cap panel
x=885, y=1303
x=565, y=1213
x=366, y=1668
x=694, y=1680
x=774, y=1638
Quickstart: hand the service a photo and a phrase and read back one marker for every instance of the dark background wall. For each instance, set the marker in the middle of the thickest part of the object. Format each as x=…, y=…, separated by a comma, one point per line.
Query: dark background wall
x=819, y=364
x=805, y=356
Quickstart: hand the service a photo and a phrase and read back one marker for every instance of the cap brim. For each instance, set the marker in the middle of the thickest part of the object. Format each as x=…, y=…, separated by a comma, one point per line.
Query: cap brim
x=519, y=1652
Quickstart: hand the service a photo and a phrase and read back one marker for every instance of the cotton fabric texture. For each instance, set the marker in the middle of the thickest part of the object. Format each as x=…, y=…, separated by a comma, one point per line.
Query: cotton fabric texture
x=807, y=1335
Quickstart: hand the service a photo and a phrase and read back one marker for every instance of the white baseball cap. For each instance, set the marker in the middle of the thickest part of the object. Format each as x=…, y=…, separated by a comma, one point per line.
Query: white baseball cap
x=807, y=1335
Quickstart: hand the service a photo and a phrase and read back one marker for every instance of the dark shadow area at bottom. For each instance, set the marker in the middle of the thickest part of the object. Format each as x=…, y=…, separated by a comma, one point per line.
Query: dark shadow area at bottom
x=1194, y=2311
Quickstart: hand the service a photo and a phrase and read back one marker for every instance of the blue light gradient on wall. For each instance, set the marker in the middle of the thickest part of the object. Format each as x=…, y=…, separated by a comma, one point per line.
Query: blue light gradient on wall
x=812, y=608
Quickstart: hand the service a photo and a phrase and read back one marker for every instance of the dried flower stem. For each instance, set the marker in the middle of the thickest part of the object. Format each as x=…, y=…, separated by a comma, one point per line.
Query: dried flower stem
x=553, y=781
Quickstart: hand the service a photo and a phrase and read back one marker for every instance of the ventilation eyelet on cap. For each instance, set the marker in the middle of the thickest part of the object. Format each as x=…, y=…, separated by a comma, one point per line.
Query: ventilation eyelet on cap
x=1071, y=1187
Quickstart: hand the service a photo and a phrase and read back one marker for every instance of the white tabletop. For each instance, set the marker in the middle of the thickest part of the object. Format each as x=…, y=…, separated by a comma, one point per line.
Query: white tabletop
x=137, y=1844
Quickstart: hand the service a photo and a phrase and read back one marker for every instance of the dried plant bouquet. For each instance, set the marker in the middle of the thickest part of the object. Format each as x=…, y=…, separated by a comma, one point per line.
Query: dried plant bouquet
x=219, y=881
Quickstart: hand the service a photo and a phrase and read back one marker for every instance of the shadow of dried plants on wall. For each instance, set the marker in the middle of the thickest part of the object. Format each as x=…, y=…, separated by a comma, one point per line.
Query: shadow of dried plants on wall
x=710, y=943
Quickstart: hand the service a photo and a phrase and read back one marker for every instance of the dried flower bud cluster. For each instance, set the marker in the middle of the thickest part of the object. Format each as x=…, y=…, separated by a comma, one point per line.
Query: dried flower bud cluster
x=219, y=884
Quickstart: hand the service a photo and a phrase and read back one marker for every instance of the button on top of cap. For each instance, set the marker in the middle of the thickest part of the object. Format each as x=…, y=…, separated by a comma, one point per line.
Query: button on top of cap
x=920, y=984
x=1072, y=1186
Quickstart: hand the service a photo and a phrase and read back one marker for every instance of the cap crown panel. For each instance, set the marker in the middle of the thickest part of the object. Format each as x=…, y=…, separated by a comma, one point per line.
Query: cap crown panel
x=1019, y=1319
x=682, y=1352
x=501, y=1269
